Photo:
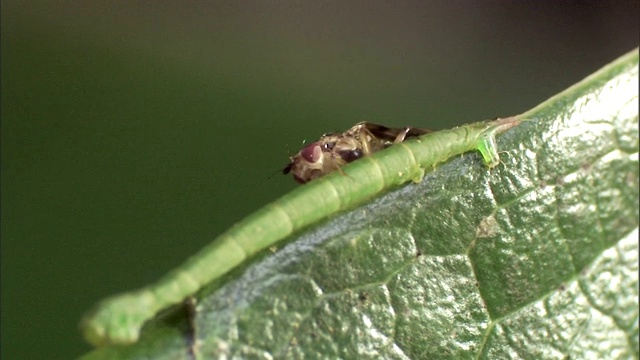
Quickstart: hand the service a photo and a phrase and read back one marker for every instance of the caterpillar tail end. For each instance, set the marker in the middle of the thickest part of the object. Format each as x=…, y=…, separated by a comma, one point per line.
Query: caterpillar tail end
x=117, y=320
x=487, y=146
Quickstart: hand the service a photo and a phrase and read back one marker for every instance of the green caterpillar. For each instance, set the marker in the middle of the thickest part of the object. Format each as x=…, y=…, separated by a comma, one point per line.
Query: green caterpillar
x=119, y=319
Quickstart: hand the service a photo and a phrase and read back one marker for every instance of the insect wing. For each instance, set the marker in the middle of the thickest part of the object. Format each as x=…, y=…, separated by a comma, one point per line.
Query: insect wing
x=393, y=135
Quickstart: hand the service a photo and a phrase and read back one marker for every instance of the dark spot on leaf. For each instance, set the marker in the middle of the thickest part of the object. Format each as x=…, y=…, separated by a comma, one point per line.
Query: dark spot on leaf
x=562, y=287
x=363, y=296
x=418, y=253
x=586, y=166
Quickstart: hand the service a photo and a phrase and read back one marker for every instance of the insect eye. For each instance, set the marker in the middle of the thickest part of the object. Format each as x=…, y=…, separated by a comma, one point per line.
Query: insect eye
x=328, y=146
x=351, y=155
x=311, y=153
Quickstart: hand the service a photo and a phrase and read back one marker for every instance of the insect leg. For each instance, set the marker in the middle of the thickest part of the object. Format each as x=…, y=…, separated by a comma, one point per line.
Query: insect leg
x=401, y=135
x=365, y=137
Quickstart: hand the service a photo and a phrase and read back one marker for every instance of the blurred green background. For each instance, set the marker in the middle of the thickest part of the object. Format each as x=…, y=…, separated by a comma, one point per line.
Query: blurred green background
x=135, y=132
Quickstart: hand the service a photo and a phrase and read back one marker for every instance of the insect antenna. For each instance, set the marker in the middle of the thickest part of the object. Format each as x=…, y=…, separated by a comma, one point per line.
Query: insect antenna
x=287, y=168
x=275, y=172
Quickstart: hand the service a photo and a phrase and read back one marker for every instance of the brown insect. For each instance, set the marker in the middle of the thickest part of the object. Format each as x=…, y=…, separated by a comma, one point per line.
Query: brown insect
x=332, y=150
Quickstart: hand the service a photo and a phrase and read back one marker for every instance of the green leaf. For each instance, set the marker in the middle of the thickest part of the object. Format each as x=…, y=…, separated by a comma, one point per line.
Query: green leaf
x=536, y=258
